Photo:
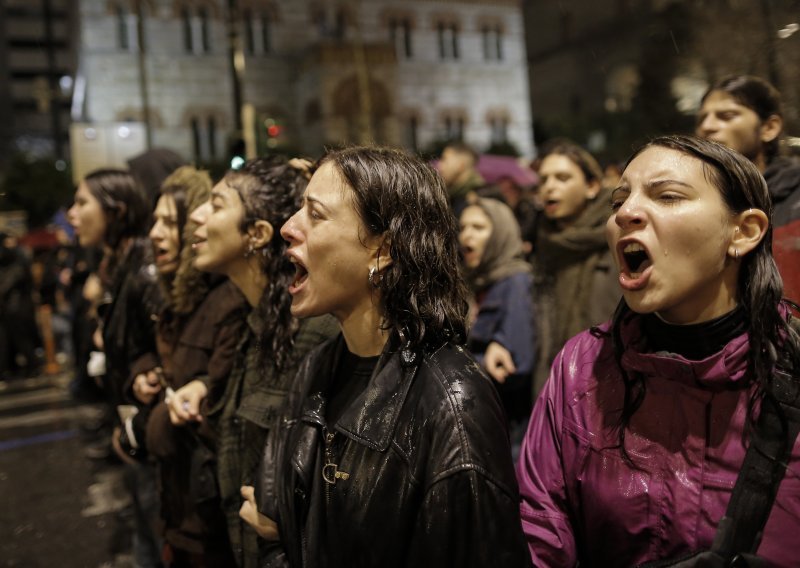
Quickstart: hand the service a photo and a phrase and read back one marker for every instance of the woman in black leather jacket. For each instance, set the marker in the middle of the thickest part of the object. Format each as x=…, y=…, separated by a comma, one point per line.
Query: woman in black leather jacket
x=393, y=450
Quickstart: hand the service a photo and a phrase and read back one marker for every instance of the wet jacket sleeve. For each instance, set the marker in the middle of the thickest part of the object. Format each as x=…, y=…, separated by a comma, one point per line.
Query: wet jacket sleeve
x=541, y=474
x=482, y=530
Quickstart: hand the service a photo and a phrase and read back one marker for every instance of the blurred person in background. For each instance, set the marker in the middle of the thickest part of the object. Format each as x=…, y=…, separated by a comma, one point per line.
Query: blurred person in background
x=237, y=237
x=150, y=169
x=111, y=211
x=458, y=168
x=501, y=335
x=19, y=334
x=575, y=281
x=745, y=114
x=525, y=210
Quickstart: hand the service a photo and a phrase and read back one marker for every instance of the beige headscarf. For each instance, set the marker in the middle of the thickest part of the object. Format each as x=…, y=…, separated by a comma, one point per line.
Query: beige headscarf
x=503, y=256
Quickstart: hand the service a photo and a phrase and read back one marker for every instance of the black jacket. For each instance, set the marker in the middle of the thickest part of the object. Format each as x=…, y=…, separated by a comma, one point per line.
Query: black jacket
x=425, y=476
x=783, y=180
x=128, y=329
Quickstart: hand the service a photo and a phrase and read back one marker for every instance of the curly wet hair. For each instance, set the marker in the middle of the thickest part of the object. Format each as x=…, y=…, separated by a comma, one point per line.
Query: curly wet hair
x=403, y=200
x=272, y=190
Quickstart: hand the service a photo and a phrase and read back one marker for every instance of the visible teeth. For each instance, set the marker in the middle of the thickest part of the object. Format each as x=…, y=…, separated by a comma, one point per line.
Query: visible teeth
x=635, y=274
x=633, y=247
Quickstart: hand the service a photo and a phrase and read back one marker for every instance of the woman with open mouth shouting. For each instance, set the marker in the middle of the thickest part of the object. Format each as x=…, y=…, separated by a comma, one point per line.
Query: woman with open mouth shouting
x=636, y=442
x=574, y=282
x=393, y=448
x=237, y=236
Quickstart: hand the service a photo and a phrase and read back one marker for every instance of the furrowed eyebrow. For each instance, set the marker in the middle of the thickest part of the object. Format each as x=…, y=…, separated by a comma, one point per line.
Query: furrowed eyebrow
x=658, y=183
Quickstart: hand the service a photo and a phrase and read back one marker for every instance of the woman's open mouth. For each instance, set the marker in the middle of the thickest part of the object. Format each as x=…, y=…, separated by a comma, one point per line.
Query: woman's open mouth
x=551, y=205
x=163, y=256
x=300, y=276
x=636, y=266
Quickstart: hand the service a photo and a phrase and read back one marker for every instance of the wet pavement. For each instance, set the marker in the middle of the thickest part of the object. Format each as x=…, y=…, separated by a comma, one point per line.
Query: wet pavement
x=58, y=507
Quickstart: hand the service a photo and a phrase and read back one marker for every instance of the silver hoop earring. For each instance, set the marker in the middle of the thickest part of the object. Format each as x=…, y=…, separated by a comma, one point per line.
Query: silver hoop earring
x=371, y=277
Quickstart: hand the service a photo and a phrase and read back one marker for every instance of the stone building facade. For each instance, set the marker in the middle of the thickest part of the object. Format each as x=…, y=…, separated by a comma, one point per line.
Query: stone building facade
x=310, y=72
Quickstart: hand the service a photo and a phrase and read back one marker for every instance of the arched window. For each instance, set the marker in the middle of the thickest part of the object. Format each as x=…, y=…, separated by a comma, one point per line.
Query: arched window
x=196, y=22
x=258, y=23
x=492, y=39
x=125, y=22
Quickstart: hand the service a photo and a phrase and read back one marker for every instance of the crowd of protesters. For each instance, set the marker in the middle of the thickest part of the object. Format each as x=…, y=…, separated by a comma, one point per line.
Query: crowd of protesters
x=364, y=362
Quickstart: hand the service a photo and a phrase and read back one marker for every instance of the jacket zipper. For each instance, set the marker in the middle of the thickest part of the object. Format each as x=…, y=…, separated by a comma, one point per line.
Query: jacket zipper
x=330, y=471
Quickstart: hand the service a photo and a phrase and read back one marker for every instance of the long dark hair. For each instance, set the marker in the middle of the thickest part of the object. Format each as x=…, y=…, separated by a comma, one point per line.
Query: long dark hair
x=756, y=94
x=123, y=202
x=772, y=339
x=272, y=190
x=399, y=197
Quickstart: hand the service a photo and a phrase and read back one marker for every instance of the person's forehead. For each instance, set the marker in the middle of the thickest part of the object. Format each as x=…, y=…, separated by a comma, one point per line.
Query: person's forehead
x=721, y=99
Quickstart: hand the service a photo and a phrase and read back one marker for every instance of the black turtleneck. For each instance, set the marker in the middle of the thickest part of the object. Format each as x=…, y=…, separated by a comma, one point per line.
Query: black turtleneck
x=351, y=377
x=694, y=341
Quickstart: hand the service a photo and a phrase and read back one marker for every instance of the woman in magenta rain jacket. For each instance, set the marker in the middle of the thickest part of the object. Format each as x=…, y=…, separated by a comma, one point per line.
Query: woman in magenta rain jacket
x=637, y=439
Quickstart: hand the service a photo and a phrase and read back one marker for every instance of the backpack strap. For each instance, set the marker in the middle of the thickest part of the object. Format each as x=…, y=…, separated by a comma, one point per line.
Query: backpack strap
x=763, y=469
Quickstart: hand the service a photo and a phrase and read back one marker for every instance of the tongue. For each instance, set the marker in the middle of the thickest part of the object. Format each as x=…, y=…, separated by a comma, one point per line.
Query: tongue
x=644, y=265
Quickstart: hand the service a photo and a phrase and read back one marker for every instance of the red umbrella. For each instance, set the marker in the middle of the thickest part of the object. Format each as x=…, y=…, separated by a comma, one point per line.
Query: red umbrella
x=39, y=239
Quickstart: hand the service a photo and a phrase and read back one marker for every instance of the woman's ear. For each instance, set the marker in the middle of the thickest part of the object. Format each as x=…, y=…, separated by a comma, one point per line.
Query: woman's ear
x=749, y=228
x=592, y=189
x=261, y=233
x=383, y=254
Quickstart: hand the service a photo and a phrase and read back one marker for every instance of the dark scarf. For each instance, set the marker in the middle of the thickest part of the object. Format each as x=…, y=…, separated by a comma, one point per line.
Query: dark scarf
x=587, y=235
x=502, y=256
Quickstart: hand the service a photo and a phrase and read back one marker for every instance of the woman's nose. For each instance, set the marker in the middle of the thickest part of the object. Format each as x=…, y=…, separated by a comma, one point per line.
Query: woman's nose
x=200, y=214
x=289, y=230
x=630, y=213
x=154, y=231
x=707, y=126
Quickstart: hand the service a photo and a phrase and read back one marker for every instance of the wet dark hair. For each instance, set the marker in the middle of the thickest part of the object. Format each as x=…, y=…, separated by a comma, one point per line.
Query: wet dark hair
x=772, y=339
x=272, y=190
x=758, y=95
x=578, y=156
x=124, y=203
x=402, y=199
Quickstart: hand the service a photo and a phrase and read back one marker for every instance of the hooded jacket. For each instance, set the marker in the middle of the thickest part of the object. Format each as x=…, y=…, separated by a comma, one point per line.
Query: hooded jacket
x=582, y=502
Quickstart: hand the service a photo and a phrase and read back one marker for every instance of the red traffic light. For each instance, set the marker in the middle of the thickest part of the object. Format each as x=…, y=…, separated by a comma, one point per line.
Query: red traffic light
x=274, y=130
